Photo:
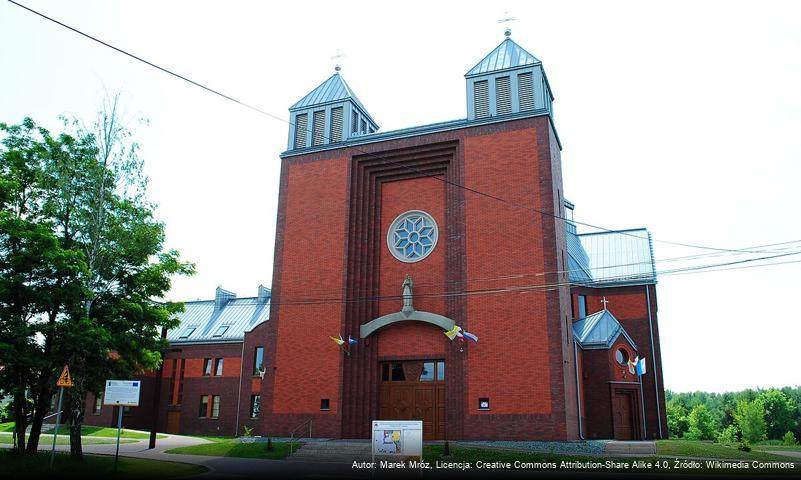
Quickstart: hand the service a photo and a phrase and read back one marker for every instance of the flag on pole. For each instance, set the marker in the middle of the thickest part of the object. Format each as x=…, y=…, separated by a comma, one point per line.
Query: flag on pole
x=454, y=332
x=338, y=341
x=641, y=367
x=352, y=341
x=633, y=365
x=470, y=337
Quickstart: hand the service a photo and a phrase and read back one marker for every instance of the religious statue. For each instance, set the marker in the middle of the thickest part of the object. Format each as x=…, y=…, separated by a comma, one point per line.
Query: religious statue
x=407, y=295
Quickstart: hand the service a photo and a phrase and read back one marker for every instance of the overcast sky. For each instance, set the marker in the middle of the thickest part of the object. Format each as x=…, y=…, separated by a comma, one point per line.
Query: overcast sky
x=684, y=118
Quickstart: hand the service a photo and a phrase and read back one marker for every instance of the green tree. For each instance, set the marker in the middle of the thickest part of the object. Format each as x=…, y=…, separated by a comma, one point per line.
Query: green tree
x=677, y=420
x=750, y=419
x=780, y=413
x=82, y=265
x=701, y=424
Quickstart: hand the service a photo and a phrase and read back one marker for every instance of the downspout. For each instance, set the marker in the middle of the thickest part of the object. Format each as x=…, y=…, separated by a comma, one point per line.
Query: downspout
x=578, y=390
x=239, y=394
x=653, y=359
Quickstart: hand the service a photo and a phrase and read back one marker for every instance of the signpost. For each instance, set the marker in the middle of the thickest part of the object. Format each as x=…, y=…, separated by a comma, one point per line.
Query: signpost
x=121, y=393
x=64, y=381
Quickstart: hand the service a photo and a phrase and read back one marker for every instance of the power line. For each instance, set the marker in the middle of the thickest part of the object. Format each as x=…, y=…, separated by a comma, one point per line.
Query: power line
x=353, y=147
x=529, y=287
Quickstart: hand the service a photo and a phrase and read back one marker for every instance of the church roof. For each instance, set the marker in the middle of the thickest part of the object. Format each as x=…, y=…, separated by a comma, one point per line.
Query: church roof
x=599, y=331
x=506, y=55
x=332, y=90
x=202, y=321
x=622, y=257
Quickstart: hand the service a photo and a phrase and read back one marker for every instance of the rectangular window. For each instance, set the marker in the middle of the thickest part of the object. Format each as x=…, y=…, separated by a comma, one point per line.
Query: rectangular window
x=582, y=306
x=258, y=361
x=503, y=95
x=255, y=406
x=301, y=125
x=427, y=374
x=325, y=404
x=174, y=382
x=318, y=128
x=204, y=406
x=363, y=128
x=481, y=98
x=218, y=368
x=440, y=371
x=98, y=403
x=206, y=367
x=215, y=406
x=221, y=331
x=336, y=124
x=181, y=382
x=525, y=91
x=354, y=122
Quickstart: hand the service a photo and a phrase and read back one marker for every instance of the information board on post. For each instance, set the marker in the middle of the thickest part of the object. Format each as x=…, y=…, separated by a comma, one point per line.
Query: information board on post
x=398, y=438
x=122, y=392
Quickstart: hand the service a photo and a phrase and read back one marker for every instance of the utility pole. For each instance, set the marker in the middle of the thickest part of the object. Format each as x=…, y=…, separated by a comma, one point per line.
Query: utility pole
x=157, y=397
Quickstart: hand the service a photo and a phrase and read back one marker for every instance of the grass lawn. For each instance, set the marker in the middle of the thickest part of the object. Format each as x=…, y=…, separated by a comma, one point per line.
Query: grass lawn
x=696, y=448
x=46, y=439
x=778, y=448
x=229, y=448
x=93, y=466
x=7, y=427
x=90, y=431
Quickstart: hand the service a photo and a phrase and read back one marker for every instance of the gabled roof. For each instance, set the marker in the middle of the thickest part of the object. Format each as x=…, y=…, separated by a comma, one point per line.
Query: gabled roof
x=240, y=315
x=599, y=331
x=506, y=55
x=622, y=257
x=332, y=90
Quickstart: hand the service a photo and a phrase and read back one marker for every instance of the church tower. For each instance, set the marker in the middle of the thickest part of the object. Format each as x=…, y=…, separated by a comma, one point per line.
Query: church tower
x=329, y=114
x=509, y=80
x=395, y=238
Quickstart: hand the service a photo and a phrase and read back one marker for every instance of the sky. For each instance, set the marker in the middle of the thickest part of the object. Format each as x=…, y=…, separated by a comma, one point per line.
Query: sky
x=682, y=117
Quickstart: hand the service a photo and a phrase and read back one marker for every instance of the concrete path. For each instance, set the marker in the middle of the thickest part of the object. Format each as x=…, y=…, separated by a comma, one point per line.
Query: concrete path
x=786, y=453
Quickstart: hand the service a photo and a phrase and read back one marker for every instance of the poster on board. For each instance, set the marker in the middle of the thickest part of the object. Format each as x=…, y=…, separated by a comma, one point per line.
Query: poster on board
x=402, y=438
x=122, y=392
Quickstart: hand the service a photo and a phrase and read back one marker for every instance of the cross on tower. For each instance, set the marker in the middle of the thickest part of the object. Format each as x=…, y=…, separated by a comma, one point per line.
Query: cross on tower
x=507, y=19
x=604, y=301
x=338, y=55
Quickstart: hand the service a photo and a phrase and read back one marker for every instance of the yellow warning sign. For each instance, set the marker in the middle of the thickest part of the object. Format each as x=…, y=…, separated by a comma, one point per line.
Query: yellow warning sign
x=65, y=380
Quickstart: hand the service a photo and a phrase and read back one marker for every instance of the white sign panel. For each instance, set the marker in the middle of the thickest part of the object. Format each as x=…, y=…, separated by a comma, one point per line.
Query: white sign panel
x=398, y=438
x=122, y=392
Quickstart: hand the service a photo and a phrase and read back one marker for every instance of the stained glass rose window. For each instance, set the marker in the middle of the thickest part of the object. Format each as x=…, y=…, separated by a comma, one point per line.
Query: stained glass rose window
x=412, y=236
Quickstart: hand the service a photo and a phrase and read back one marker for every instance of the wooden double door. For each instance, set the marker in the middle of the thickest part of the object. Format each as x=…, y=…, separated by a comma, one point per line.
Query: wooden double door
x=414, y=390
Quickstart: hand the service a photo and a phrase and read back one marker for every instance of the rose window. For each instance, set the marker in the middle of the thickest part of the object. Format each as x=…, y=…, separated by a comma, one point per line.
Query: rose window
x=412, y=236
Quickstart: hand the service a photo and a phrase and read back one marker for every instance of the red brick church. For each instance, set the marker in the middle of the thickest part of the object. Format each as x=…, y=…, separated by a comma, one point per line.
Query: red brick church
x=394, y=238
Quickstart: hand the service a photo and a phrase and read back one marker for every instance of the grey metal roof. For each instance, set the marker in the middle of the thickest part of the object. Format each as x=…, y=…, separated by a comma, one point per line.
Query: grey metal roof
x=506, y=55
x=240, y=315
x=332, y=90
x=623, y=257
x=599, y=331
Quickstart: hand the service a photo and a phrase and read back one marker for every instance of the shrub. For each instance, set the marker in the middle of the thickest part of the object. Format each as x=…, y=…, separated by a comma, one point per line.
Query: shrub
x=789, y=439
x=248, y=431
x=728, y=436
x=744, y=446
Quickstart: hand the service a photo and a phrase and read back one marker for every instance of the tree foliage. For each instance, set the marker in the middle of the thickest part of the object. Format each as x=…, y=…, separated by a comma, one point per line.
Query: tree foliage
x=82, y=262
x=750, y=418
x=701, y=424
x=781, y=412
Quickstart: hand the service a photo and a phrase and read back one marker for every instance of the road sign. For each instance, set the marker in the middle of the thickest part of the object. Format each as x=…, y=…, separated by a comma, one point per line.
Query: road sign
x=65, y=380
x=122, y=392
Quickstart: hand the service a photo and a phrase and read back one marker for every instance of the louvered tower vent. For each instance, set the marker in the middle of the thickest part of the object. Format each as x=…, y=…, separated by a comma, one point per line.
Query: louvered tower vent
x=329, y=114
x=508, y=80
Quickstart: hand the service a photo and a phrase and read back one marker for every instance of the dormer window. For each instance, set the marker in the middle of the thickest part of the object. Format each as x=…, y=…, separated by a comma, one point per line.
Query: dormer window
x=188, y=331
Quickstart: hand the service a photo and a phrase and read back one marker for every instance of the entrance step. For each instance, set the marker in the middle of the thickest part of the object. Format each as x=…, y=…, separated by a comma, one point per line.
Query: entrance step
x=333, y=451
x=618, y=447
